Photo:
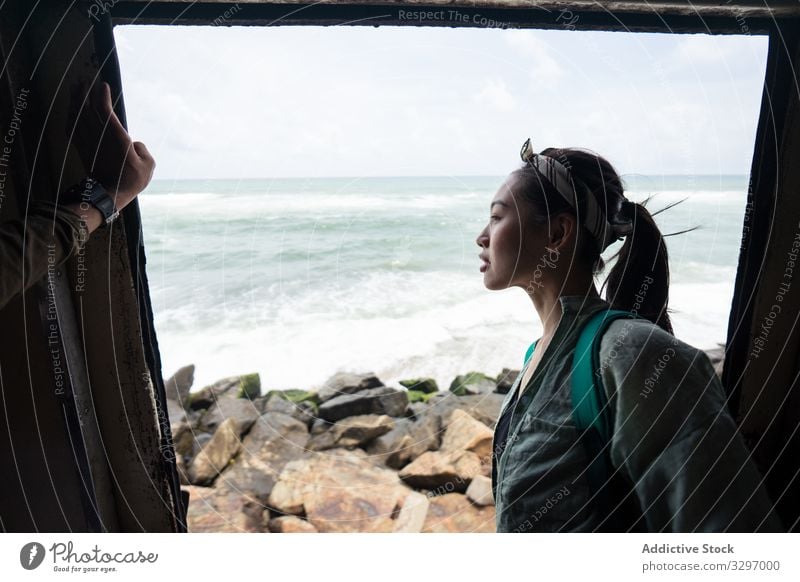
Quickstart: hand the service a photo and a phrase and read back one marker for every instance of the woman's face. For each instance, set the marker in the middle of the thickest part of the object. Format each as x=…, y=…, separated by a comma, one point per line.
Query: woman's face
x=512, y=245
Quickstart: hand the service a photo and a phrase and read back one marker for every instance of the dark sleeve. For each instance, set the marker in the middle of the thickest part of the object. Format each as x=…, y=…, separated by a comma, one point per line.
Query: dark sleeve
x=45, y=238
x=674, y=437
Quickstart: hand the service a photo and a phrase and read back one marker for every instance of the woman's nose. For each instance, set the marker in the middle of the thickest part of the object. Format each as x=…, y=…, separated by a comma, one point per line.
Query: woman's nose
x=483, y=238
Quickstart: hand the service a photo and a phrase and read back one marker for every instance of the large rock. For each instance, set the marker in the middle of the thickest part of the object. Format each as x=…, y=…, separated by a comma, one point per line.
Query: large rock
x=417, y=410
x=241, y=409
x=290, y=524
x=199, y=440
x=206, y=397
x=407, y=441
x=339, y=491
x=353, y=431
x=318, y=426
x=442, y=472
x=296, y=396
x=485, y=408
x=188, y=441
x=480, y=491
x=505, y=380
x=347, y=383
x=217, y=453
x=273, y=441
x=249, y=386
x=183, y=439
x=381, y=400
x=214, y=511
x=464, y=433
x=178, y=385
x=412, y=515
x=453, y=513
x=473, y=383
x=302, y=411
x=176, y=413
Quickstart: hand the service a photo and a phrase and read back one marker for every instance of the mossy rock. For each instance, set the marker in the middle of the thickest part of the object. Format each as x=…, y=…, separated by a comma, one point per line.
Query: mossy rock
x=418, y=396
x=472, y=383
x=296, y=396
x=250, y=386
x=314, y=406
x=206, y=397
x=426, y=385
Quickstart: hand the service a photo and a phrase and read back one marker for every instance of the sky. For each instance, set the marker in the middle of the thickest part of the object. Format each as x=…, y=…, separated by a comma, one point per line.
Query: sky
x=255, y=102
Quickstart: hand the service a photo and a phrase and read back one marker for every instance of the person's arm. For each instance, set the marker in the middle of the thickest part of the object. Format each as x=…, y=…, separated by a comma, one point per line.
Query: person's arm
x=674, y=437
x=90, y=217
x=28, y=248
x=49, y=234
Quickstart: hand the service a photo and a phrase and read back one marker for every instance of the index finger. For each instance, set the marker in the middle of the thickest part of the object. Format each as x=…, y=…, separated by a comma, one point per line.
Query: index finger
x=101, y=99
x=108, y=117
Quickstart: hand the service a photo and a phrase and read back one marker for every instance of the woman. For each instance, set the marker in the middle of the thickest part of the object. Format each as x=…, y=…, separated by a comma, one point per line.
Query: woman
x=676, y=461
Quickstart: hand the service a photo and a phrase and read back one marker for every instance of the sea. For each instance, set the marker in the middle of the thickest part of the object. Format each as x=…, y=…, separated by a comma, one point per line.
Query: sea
x=299, y=278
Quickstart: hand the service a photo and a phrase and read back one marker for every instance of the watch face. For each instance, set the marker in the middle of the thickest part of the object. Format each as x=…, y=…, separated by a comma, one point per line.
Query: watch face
x=102, y=201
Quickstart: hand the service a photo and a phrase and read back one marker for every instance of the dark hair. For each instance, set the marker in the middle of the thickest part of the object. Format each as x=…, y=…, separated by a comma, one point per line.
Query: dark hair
x=639, y=279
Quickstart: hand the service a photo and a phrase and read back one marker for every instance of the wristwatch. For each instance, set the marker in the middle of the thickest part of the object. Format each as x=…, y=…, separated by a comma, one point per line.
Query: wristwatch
x=92, y=192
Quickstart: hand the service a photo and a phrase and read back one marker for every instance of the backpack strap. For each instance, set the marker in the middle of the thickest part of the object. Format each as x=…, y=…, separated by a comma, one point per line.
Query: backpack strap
x=528, y=353
x=592, y=415
x=589, y=408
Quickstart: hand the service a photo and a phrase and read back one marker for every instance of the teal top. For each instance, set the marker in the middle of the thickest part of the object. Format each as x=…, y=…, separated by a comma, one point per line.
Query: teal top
x=673, y=439
x=529, y=353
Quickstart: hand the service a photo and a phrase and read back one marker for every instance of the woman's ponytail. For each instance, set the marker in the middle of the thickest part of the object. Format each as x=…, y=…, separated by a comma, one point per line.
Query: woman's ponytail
x=639, y=279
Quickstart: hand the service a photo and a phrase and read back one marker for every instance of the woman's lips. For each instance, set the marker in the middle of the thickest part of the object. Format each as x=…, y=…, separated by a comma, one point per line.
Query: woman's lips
x=484, y=265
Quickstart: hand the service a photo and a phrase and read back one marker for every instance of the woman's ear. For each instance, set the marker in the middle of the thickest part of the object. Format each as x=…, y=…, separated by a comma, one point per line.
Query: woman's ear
x=563, y=230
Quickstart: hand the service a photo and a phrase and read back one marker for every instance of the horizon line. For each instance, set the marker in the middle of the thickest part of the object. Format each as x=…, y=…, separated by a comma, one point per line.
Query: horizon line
x=623, y=176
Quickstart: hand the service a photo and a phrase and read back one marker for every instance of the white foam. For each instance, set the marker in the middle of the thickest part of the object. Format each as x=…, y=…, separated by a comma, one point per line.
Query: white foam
x=702, y=309
x=485, y=333
x=267, y=203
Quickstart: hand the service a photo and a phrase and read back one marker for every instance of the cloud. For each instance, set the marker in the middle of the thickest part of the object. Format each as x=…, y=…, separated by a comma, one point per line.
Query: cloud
x=301, y=101
x=495, y=94
x=539, y=56
x=700, y=50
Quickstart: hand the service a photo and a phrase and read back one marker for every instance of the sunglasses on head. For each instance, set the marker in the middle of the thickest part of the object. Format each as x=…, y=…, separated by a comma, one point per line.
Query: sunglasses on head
x=526, y=153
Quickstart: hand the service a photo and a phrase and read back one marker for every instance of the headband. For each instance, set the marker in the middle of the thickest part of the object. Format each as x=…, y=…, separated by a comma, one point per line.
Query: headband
x=594, y=219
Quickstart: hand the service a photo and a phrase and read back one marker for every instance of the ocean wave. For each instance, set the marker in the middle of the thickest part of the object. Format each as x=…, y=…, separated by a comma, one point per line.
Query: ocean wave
x=437, y=330
x=299, y=284
x=734, y=198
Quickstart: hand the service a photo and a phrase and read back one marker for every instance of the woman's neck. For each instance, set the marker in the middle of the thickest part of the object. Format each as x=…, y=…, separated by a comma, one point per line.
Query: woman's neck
x=546, y=302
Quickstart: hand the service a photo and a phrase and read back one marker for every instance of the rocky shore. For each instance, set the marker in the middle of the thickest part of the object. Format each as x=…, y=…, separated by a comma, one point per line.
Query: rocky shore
x=354, y=455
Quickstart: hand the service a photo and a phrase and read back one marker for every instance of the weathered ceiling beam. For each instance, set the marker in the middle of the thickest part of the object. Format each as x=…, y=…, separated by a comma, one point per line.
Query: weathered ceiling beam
x=747, y=8
x=712, y=18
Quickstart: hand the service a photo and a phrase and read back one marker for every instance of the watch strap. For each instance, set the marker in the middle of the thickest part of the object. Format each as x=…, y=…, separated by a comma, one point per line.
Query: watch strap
x=91, y=191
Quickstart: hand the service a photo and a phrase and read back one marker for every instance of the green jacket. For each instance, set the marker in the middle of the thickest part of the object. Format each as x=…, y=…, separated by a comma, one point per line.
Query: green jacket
x=675, y=444
x=46, y=237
